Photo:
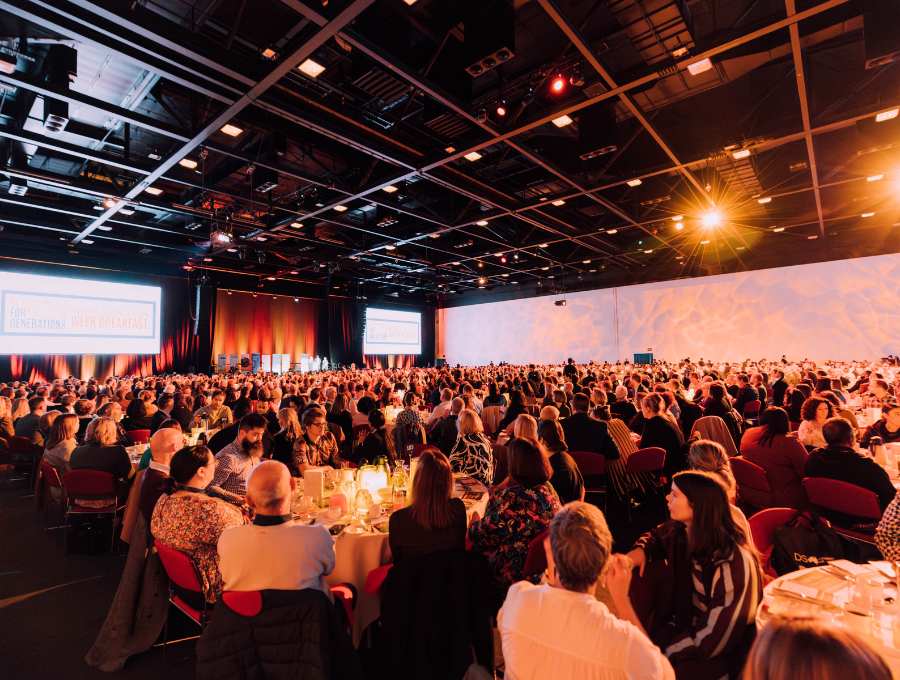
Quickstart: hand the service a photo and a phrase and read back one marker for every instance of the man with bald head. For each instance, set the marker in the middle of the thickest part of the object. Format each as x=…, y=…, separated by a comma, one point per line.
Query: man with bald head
x=163, y=446
x=274, y=553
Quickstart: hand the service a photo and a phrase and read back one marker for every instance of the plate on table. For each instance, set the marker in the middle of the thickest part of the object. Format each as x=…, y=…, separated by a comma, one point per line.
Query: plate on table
x=356, y=529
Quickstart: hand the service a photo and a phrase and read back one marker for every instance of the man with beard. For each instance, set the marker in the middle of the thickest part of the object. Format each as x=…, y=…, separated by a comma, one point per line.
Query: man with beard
x=235, y=462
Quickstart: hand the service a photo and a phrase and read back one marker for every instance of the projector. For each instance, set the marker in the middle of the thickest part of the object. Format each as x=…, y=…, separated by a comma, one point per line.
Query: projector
x=560, y=303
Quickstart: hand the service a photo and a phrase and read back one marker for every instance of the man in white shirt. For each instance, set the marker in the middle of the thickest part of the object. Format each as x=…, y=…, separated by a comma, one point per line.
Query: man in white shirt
x=274, y=553
x=477, y=405
x=438, y=413
x=559, y=630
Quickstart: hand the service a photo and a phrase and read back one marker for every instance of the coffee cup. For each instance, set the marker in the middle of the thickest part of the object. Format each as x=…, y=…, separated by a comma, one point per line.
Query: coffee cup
x=334, y=512
x=375, y=510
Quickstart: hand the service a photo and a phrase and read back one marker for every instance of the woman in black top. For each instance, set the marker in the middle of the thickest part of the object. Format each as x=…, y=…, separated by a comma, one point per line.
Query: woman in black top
x=378, y=442
x=284, y=440
x=566, y=480
x=433, y=521
x=181, y=412
x=100, y=452
x=339, y=415
x=661, y=430
x=494, y=398
x=718, y=404
x=516, y=408
x=136, y=417
x=799, y=394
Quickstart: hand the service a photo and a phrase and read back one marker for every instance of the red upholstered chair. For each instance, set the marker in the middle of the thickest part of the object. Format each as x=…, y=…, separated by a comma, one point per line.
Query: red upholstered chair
x=182, y=573
x=375, y=579
x=48, y=474
x=536, y=560
x=850, y=499
x=751, y=412
x=488, y=432
x=418, y=448
x=22, y=455
x=762, y=526
x=139, y=436
x=91, y=485
x=591, y=464
x=753, y=487
x=651, y=459
x=795, y=426
x=249, y=602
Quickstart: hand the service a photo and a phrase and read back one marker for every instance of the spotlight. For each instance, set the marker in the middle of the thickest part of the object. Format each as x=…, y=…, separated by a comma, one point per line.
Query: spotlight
x=316, y=266
x=296, y=299
x=516, y=256
x=558, y=84
x=577, y=77
x=679, y=226
x=887, y=115
x=711, y=219
x=874, y=178
x=261, y=256
x=481, y=281
x=254, y=295
x=503, y=259
x=109, y=203
x=528, y=98
x=229, y=291
x=219, y=236
x=501, y=108
x=242, y=253
x=482, y=115
x=764, y=200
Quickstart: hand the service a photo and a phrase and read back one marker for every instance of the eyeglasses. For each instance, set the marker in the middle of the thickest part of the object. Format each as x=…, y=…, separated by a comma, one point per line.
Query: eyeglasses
x=319, y=424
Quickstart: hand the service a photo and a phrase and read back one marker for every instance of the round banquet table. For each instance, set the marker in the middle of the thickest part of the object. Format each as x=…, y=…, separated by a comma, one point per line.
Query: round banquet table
x=356, y=554
x=824, y=593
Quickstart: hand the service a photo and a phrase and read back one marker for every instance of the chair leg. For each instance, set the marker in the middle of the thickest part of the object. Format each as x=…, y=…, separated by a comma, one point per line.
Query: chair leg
x=166, y=632
x=628, y=499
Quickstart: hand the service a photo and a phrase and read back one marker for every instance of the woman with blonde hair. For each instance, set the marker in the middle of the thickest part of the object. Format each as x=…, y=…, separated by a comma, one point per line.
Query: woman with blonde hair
x=101, y=452
x=803, y=648
x=6, y=424
x=525, y=426
x=710, y=456
x=19, y=409
x=59, y=445
x=472, y=454
x=289, y=433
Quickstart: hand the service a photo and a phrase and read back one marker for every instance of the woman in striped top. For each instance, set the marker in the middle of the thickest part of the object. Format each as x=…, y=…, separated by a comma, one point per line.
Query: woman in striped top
x=712, y=584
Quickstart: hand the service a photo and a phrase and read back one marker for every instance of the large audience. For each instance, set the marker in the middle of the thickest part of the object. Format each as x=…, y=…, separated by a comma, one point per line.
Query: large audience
x=227, y=503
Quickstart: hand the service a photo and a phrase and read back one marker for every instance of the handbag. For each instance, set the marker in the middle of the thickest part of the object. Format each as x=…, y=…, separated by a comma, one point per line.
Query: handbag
x=805, y=542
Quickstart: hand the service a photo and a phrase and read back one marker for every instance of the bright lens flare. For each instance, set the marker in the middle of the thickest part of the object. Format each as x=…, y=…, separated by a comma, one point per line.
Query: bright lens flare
x=711, y=219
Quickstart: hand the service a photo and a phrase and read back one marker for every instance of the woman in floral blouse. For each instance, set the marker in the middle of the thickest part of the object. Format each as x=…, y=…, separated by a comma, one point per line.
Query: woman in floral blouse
x=317, y=446
x=472, y=454
x=188, y=520
x=516, y=514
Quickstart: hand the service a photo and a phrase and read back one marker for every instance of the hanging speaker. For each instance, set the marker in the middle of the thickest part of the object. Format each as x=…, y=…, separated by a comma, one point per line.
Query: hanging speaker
x=202, y=305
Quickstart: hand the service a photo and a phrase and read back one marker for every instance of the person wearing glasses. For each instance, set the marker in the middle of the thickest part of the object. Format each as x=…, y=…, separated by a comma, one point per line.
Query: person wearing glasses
x=317, y=447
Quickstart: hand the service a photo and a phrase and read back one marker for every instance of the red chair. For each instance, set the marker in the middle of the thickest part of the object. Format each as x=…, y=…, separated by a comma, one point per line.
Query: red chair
x=795, y=426
x=832, y=494
x=50, y=476
x=591, y=464
x=651, y=459
x=419, y=448
x=22, y=455
x=751, y=411
x=90, y=485
x=375, y=579
x=762, y=527
x=753, y=488
x=182, y=573
x=536, y=560
x=249, y=602
x=488, y=432
x=139, y=436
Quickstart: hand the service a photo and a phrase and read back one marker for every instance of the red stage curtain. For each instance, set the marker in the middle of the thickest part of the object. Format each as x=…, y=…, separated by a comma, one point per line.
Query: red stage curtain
x=245, y=324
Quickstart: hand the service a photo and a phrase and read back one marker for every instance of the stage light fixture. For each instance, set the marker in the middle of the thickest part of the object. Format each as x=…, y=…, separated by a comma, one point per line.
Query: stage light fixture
x=242, y=253
x=311, y=68
x=503, y=260
x=261, y=256
x=472, y=156
x=296, y=299
x=498, y=254
x=457, y=263
x=577, y=77
x=699, y=67
x=528, y=97
x=390, y=247
x=543, y=269
x=480, y=264
x=704, y=242
x=482, y=223
x=270, y=278
x=558, y=84
x=516, y=256
x=562, y=121
x=886, y=115
x=187, y=163
x=481, y=281
x=765, y=200
x=231, y=130
x=482, y=115
x=813, y=238
x=585, y=262
x=711, y=219
x=269, y=53
x=874, y=178
x=679, y=226
x=743, y=153
x=678, y=218
x=648, y=251
x=219, y=236
x=229, y=291
x=109, y=203
x=450, y=149
x=297, y=225
x=254, y=295
x=153, y=191
x=634, y=182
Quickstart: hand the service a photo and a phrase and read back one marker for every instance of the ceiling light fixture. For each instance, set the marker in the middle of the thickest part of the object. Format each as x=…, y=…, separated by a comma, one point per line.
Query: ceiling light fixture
x=231, y=130
x=187, y=163
x=699, y=67
x=311, y=68
x=153, y=191
x=868, y=214
x=562, y=121
x=450, y=149
x=457, y=263
x=612, y=231
x=269, y=53
x=109, y=203
x=390, y=247
x=874, y=178
x=543, y=269
x=743, y=153
x=765, y=200
x=340, y=208
x=678, y=218
x=472, y=156
x=778, y=229
x=648, y=251
x=679, y=226
x=543, y=245
x=558, y=202
x=558, y=84
x=482, y=223
x=297, y=225
x=704, y=242
x=389, y=189
x=585, y=262
x=634, y=182
x=886, y=115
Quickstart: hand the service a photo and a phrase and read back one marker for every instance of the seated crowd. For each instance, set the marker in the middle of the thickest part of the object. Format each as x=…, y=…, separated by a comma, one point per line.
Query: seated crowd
x=520, y=431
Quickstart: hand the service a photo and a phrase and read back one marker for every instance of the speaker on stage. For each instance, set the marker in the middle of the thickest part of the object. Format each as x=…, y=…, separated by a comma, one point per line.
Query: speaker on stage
x=202, y=306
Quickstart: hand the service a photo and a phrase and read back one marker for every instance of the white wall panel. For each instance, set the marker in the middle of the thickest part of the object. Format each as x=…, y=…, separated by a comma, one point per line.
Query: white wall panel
x=833, y=310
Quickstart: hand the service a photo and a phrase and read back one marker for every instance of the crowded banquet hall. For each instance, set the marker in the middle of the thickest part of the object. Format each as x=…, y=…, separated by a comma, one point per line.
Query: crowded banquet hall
x=450, y=339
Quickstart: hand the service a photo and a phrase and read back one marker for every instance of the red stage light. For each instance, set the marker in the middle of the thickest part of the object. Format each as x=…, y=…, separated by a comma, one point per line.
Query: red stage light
x=501, y=111
x=558, y=84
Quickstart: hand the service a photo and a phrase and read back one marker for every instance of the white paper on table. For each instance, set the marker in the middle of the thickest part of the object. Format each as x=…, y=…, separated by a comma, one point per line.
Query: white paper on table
x=885, y=568
x=848, y=566
x=800, y=589
x=314, y=482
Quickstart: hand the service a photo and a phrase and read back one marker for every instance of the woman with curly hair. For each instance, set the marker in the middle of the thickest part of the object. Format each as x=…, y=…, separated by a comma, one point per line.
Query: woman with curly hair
x=815, y=411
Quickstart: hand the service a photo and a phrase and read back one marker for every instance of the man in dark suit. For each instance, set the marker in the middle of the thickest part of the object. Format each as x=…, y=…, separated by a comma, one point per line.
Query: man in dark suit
x=583, y=433
x=779, y=387
x=164, y=407
x=445, y=433
x=28, y=426
x=745, y=394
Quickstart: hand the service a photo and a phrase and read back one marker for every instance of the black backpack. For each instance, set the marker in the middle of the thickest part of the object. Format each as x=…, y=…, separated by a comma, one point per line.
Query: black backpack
x=805, y=542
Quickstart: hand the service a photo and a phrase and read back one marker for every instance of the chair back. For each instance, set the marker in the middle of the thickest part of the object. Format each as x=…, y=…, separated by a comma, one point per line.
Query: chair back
x=536, y=560
x=179, y=567
x=534, y=410
x=589, y=463
x=88, y=483
x=491, y=417
x=795, y=426
x=764, y=523
x=139, y=436
x=488, y=431
x=49, y=473
x=838, y=496
x=418, y=448
x=751, y=408
x=243, y=602
x=20, y=445
x=651, y=459
x=752, y=483
x=715, y=429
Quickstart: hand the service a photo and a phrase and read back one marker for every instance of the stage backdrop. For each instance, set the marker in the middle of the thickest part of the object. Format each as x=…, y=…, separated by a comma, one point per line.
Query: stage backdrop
x=842, y=310
x=180, y=348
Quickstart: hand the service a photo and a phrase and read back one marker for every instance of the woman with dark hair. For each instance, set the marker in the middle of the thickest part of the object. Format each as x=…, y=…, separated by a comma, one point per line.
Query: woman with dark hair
x=776, y=450
x=713, y=583
x=188, y=520
x=378, y=442
x=822, y=385
x=284, y=439
x=798, y=394
x=566, y=480
x=718, y=403
x=181, y=412
x=340, y=416
x=60, y=443
x=136, y=417
x=516, y=514
x=660, y=430
x=494, y=398
x=815, y=411
x=839, y=409
x=433, y=521
x=516, y=408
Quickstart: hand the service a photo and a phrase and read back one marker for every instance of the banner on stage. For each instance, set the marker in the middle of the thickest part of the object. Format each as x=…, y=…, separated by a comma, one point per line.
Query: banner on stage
x=265, y=364
x=304, y=363
x=245, y=363
x=285, y=363
x=276, y=363
x=222, y=363
x=232, y=361
x=254, y=362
